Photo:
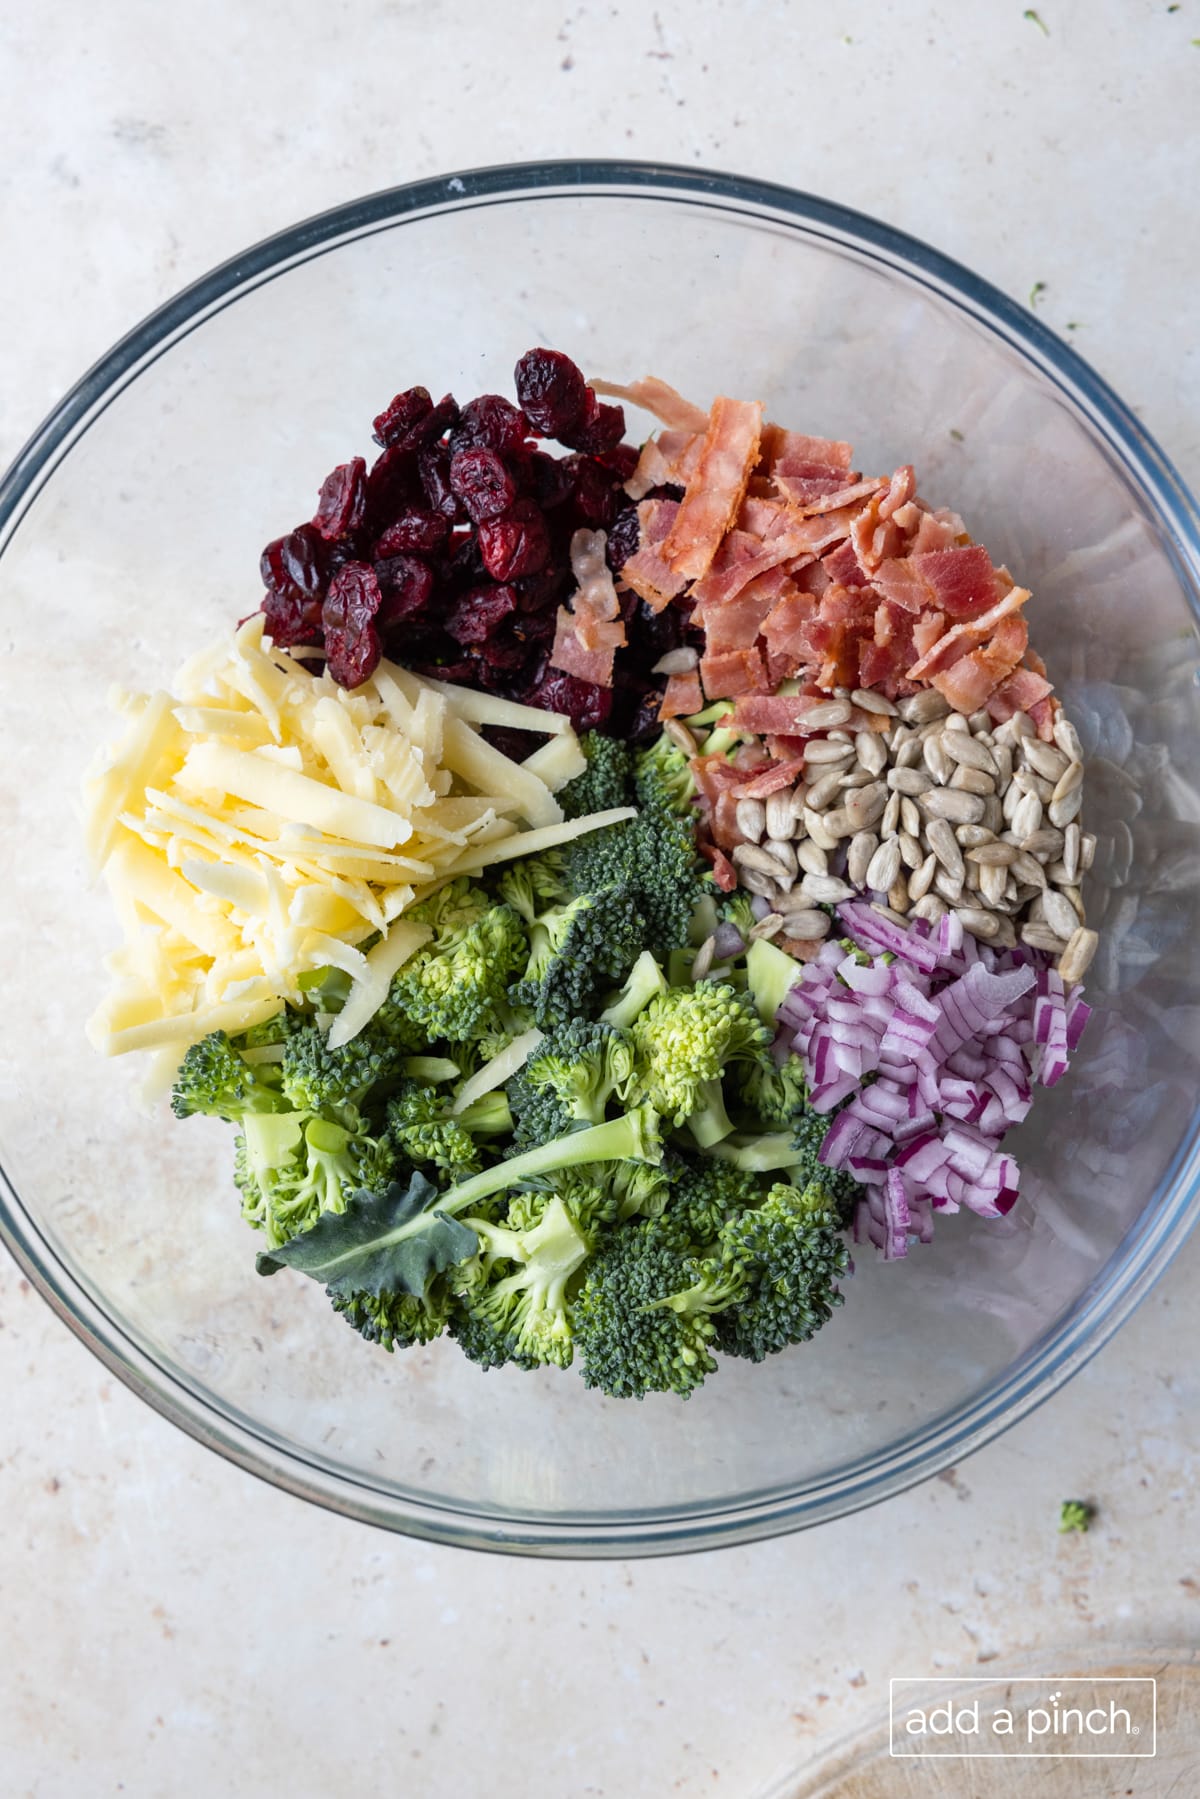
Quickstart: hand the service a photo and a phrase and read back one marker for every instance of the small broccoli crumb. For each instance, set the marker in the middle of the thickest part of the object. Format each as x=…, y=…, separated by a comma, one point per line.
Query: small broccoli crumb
x=1076, y=1514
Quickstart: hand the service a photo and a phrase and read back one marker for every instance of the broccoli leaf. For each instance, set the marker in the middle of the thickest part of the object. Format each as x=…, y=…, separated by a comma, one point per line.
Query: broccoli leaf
x=356, y=1251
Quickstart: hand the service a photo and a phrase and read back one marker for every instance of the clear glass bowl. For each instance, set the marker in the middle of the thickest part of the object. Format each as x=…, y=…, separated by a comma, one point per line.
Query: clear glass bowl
x=130, y=530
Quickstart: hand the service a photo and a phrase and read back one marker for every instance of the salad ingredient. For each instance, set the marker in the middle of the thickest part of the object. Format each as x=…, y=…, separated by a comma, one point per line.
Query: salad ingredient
x=1076, y=1514
x=261, y=823
x=926, y=1048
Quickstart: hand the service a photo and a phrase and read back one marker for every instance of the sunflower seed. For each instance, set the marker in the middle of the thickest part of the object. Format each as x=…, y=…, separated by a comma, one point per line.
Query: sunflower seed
x=839, y=821
x=751, y=819
x=751, y=856
x=812, y=858
x=824, y=890
x=992, y=882
x=948, y=886
x=1027, y=817
x=781, y=849
x=908, y=780
x=884, y=866
x=994, y=854
x=1027, y=868
x=949, y=803
x=977, y=921
x=677, y=662
x=885, y=911
x=703, y=959
x=841, y=737
x=1028, y=782
x=778, y=814
x=1067, y=738
x=1013, y=795
x=866, y=701
x=898, y=895
x=1057, y=872
x=1002, y=756
x=1087, y=849
x=1064, y=810
x=871, y=751
x=969, y=837
x=921, y=707
x=956, y=722
x=930, y=907
x=910, y=850
x=973, y=780
x=807, y=924
x=1045, y=760
x=866, y=805
x=679, y=734
x=968, y=752
x=855, y=777
x=1044, y=843
x=768, y=927
x=1077, y=956
x=1006, y=936
x=800, y=795
x=921, y=880
x=1040, y=936
x=944, y=845
x=891, y=817
x=858, y=856
x=826, y=715
x=1071, y=846
x=815, y=826
x=1072, y=777
x=937, y=761
x=824, y=789
x=822, y=752
x=909, y=754
x=756, y=882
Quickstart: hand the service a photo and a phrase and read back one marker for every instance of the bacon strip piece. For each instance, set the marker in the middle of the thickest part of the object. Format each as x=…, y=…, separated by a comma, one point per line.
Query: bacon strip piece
x=962, y=580
x=716, y=489
x=682, y=696
x=966, y=637
x=668, y=459
x=731, y=672
x=809, y=504
x=657, y=397
x=647, y=571
x=788, y=451
x=778, y=775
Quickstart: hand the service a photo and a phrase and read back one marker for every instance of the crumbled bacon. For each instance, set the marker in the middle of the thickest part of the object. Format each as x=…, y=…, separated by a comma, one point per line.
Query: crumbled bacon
x=682, y=696
x=716, y=489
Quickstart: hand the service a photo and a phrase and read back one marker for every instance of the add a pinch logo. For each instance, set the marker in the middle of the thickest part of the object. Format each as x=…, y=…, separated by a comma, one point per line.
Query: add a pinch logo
x=1074, y=1715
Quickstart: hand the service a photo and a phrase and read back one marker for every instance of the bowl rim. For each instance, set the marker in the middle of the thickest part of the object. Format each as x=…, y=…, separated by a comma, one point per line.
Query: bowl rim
x=1144, y=1252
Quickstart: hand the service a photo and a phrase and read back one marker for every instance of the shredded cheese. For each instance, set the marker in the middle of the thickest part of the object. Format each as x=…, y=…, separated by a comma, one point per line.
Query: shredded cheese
x=260, y=822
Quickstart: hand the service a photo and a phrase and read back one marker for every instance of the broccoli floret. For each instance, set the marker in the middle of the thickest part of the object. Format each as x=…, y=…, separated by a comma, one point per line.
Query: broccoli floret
x=569, y=1079
x=316, y=1078
x=1076, y=1514
x=630, y=1343
x=482, y=1343
x=809, y=1130
x=707, y=1194
x=633, y=1137
x=685, y=1040
x=737, y=909
x=420, y=1125
x=532, y=884
x=772, y=1277
x=290, y=1169
x=270, y=1031
x=663, y=776
x=604, y=783
x=644, y=982
x=451, y=989
x=395, y=1320
x=529, y=1306
x=774, y=1093
x=213, y=1081
x=577, y=951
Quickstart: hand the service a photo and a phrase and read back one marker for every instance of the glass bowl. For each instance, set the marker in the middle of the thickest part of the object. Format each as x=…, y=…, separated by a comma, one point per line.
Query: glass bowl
x=130, y=529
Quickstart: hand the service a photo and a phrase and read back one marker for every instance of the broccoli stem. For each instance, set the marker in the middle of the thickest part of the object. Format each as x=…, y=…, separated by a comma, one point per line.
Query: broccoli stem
x=758, y=1155
x=644, y=983
x=631, y=1138
x=710, y=1122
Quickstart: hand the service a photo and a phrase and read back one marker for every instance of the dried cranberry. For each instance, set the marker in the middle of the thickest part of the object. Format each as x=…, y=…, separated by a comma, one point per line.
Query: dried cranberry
x=474, y=616
x=291, y=619
x=596, y=497
x=352, y=646
x=516, y=544
x=516, y=745
x=652, y=634
x=417, y=529
x=406, y=585
x=622, y=459
x=493, y=423
x=505, y=649
x=642, y=720
x=551, y=390
x=536, y=593
x=343, y=501
x=587, y=705
x=393, y=486
x=548, y=479
x=294, y=566
x=441, y=659
x=623, y=539
x=433, y=465
x=598, y=430
x=482, y=483
x=396, y=421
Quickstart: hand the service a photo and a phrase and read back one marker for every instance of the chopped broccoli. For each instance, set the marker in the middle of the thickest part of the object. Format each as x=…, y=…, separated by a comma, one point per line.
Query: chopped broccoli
x=707, y=1193
x=632, y=1137
x=270, y=1030
x=663, y=776
x=532, y=884
x=737, y=909
x=482, y=1343
x=772, y=1277
x=685, y=1040
x=578, y=950
x=604, y=783
x=529, y=1306
x=451, y=989
x=290, y=1170
x=644, y=982
x=629, y=1342
x=213, y=1081
x=421, y=1127
x=1076, y=1514
x=395, y=1320
x=775, y=1093
x=569, y=1079
x=316, y=1078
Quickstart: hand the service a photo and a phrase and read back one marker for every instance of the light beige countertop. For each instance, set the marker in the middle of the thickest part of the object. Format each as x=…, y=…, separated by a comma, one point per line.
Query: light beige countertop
x=169, y=1625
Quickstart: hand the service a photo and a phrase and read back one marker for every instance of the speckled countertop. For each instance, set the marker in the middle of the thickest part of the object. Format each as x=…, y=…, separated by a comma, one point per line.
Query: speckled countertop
x=173, y=1628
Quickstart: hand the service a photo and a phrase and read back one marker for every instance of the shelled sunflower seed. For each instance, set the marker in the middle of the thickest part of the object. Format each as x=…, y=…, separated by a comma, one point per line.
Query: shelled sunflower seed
x=932, y=811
